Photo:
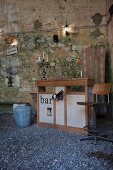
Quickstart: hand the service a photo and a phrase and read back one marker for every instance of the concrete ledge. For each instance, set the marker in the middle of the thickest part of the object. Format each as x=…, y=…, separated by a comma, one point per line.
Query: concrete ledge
x=11, y=103
x=7, y=107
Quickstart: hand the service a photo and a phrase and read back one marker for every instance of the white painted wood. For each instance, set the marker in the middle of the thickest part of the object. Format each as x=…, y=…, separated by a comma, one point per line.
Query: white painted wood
x=45, y=101
x=59, y=108
x=75, y=113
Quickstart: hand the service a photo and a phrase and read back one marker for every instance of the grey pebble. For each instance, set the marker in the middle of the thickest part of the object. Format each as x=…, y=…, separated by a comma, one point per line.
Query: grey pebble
x=36, y=148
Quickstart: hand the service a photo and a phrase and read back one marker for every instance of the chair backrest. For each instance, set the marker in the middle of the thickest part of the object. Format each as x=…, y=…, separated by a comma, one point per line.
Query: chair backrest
x=102, y=89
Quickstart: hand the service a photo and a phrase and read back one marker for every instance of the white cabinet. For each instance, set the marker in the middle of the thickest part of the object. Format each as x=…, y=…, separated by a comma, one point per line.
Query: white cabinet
x=46, y=111
x=59, y=108
x=75, y=113
x=65, y=113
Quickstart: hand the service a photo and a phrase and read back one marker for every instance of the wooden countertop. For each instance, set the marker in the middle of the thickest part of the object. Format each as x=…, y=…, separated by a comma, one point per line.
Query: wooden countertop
x=65, y=82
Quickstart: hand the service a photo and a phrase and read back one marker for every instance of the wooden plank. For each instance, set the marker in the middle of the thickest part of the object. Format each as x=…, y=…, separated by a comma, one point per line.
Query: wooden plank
x=65, y=82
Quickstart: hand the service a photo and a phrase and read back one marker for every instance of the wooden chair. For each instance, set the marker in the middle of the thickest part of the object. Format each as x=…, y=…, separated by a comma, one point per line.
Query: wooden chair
x=101, y=95
x=100, y=91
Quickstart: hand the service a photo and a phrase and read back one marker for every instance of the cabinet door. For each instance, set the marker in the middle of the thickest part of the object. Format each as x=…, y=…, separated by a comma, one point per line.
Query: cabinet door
x=75, y=113
x=59, y=107
x=46, y=111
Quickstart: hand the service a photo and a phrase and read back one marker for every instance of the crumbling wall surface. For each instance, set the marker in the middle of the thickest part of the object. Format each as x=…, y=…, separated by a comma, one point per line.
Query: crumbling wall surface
x=110, y=33
x=33, y=24
x=109, y=69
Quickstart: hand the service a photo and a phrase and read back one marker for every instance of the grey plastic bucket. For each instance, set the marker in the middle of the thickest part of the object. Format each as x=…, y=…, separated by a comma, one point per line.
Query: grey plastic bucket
x=22, y=116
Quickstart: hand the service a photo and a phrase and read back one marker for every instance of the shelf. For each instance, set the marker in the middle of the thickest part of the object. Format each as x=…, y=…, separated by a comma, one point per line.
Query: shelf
x=75, y=88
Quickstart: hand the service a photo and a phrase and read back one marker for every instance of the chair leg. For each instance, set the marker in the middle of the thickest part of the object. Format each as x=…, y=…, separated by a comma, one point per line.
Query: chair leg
x=104, y=139
x=88, y=138
x=95, y=138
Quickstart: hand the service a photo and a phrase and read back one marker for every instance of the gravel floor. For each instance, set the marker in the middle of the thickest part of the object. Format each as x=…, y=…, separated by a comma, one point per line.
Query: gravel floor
x=36, y=148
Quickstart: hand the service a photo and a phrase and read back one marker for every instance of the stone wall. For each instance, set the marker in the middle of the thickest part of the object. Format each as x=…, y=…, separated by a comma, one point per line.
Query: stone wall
x=109, y=68
x=33, y=24
x=110, y=39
